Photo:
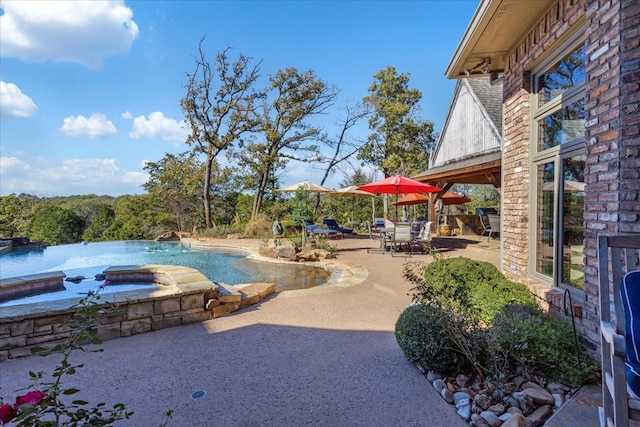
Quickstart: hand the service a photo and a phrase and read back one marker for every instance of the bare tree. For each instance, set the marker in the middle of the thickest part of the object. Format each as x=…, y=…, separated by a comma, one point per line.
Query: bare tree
x=219, y=108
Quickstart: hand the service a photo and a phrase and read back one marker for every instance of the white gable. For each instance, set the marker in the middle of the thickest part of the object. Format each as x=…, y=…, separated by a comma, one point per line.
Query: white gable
x=470, y=127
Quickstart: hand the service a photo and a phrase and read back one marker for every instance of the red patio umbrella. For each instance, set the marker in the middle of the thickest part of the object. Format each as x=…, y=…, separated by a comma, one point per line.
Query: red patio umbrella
x=412, y=199
x=454, y=199
x=398, y=184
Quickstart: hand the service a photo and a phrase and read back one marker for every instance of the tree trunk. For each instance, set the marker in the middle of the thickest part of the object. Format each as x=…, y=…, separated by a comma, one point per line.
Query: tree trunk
x=206, y=196
x=257, y=200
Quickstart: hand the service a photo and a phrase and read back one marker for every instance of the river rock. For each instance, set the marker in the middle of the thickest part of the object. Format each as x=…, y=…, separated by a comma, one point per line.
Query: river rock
x=517, y=420
x=463, y=404
x=482, y=400
x=540, y=415
x=439, y=385
x=491, y=418
x=539, y=395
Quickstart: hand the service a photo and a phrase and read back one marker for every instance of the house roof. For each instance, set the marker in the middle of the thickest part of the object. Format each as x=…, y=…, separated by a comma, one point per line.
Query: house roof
x=495, y=29
x=483, y=168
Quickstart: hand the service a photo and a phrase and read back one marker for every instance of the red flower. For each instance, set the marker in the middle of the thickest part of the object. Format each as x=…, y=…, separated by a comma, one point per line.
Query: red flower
x=33, y=397
x=7, y=413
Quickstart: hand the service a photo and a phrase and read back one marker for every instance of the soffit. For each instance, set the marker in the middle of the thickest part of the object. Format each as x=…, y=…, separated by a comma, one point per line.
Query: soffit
x=483, y=168
x=495, y=29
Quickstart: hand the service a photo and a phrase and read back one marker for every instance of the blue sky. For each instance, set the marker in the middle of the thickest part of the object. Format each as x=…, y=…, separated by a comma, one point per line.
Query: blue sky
x=90, y=91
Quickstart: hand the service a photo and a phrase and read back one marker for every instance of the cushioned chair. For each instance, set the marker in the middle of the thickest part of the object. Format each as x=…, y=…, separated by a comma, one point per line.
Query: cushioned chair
x=630, y=294
x=424, y=236
x=313, y=229
x=375, y=236
x=618, y=255
x=401, y=234
x=333, y=225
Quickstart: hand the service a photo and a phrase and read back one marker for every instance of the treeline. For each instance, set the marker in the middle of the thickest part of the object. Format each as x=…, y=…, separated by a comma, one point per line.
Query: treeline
x=61, y=220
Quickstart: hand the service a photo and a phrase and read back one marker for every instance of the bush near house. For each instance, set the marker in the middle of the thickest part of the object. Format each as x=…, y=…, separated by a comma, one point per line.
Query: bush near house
x=468, y=318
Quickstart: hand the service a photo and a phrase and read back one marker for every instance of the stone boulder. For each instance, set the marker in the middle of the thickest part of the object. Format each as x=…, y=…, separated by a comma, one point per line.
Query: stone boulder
x=169, y=236
x=278, y=248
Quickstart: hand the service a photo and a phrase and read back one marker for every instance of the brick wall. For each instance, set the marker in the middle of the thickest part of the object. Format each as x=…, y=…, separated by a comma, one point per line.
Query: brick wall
x=612, y=173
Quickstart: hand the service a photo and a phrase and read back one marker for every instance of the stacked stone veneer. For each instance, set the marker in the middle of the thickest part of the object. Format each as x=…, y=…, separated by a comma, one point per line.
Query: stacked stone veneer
x=185, y=296
x=612, y=175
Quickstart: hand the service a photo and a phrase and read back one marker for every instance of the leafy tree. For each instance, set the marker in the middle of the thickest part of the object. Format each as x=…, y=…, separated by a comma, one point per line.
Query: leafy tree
x=55, y=225
x=15, y=214
x=285, y=133
x=400, y=142
x=104, y=217
x=138, y=218
x=219, y=107
x=175, y=182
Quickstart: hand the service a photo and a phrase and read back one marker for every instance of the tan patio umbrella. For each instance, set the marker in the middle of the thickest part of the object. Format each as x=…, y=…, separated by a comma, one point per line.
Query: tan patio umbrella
x=353, y=192
x=306, y=185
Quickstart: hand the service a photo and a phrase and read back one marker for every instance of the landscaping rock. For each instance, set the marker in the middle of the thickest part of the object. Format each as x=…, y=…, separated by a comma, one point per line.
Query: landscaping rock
x=463, y=404
x=540, y=415
x=517, y=420
x=278, y=248
x=491, y=418
x=482, y=400
x=539, y=395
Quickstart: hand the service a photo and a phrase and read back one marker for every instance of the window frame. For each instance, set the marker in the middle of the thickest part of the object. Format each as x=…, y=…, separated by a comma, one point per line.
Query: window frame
x=555, y=155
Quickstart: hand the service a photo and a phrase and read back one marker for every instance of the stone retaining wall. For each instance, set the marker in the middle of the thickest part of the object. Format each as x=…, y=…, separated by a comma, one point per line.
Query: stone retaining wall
x=185, y=296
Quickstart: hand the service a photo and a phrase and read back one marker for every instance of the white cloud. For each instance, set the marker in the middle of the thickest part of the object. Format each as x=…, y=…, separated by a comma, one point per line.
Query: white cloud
x=159, y=125
x=127, y=115
x=75, y=31
x=70, y=177
x=96, y=126
x=14, y=103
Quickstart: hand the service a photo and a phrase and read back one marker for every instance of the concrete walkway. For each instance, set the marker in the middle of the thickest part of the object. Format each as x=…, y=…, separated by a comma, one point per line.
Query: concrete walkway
x=325, y=358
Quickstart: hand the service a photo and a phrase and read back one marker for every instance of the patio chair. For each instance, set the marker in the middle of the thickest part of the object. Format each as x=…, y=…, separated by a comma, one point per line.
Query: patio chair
x=484, y=222
x=494, y=224
x=424, y=236
x=377, y=237
x=333, y=225
x=401, y=234
x=315, y=230
x=617, y=255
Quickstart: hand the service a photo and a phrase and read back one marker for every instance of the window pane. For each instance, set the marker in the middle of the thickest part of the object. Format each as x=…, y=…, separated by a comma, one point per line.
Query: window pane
x=545, y=206
x=573, y=221
x=564, y=75
x=566, y=124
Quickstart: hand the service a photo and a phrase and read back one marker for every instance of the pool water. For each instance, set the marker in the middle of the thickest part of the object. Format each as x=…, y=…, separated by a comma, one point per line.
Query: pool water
x=93, y=258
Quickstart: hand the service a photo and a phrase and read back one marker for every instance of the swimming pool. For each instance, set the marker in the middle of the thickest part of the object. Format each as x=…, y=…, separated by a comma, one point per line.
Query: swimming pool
x=217, y=265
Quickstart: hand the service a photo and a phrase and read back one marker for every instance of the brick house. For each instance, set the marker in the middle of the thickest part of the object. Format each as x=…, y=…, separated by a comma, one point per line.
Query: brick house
x=570, y=155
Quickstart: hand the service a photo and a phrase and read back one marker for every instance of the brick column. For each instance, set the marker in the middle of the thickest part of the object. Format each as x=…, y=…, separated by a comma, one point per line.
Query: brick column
x=612, y=134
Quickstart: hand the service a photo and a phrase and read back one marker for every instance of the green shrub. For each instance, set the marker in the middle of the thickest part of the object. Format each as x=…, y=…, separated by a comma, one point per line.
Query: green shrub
x=527, y=340
x=439, y=340
x=473, y=287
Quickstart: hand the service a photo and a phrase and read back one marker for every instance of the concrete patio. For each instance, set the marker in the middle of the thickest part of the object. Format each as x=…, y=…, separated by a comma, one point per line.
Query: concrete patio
x=325, y=357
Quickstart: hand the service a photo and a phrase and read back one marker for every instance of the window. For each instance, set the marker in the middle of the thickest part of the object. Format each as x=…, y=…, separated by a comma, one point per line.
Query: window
x=557, y=144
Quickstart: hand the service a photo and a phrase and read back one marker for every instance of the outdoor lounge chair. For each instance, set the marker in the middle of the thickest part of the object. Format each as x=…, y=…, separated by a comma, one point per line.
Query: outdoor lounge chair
x=313, y=229
x=617, y=256
x=333, y=225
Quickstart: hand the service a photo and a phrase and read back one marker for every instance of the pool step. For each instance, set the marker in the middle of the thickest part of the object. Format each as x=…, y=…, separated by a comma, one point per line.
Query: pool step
x=232, y=298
